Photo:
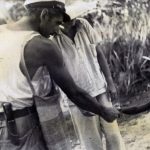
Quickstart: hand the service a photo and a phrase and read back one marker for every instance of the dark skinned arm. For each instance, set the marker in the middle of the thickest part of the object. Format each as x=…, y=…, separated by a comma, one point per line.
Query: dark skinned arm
x=105, y=69
x=46, y=53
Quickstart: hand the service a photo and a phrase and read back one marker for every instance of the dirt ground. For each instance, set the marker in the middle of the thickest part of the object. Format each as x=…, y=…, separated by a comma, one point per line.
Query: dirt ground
x=135, y=129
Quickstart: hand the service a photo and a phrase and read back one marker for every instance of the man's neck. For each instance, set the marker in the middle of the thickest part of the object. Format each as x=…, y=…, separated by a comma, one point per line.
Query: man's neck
x=70, y=32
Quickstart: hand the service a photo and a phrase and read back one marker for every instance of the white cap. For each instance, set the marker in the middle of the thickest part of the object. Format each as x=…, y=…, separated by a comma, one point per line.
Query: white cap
x=79, y=8
x=27, y=2
x=55, y=4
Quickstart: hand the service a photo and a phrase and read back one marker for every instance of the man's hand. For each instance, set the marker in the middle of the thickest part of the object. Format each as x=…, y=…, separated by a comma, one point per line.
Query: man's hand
x=111, y=89
x=109, y=114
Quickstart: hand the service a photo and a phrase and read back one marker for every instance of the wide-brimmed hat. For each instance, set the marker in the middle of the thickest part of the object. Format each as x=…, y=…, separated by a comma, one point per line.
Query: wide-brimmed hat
x=55, y=4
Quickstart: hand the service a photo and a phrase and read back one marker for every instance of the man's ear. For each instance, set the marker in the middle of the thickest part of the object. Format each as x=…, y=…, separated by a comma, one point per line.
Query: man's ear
x=44, y=15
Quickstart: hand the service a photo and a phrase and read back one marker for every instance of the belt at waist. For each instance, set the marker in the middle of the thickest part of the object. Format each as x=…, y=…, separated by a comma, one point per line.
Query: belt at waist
x=20, y=112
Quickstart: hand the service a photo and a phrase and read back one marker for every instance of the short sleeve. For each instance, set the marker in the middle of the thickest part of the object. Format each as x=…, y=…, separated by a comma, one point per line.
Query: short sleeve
x=92, y=35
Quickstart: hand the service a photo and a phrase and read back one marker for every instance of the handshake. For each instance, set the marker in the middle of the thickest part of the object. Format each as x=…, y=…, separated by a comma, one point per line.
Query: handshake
x=108, y=113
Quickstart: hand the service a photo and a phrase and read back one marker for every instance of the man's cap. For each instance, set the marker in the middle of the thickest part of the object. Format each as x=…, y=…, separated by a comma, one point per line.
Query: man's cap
x=55, y=4
x=29, y=2
x=79, y=9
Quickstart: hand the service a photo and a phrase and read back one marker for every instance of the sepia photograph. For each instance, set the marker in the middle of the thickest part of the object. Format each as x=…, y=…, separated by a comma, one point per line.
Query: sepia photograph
x=74, y=75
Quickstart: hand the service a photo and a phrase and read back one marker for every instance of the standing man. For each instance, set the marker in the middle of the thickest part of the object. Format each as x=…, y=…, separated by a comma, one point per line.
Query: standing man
x=89, y=69
x=25, y=43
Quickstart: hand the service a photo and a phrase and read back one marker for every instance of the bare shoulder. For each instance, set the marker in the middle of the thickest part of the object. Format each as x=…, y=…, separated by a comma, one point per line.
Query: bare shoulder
x=41, y=44
x=43, y=49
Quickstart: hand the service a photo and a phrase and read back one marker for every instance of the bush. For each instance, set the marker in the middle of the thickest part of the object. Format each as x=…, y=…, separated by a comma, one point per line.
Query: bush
x=127, y=48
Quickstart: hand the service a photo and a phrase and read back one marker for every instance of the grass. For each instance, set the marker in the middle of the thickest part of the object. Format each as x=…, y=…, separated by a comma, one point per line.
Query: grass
x=127, y=48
